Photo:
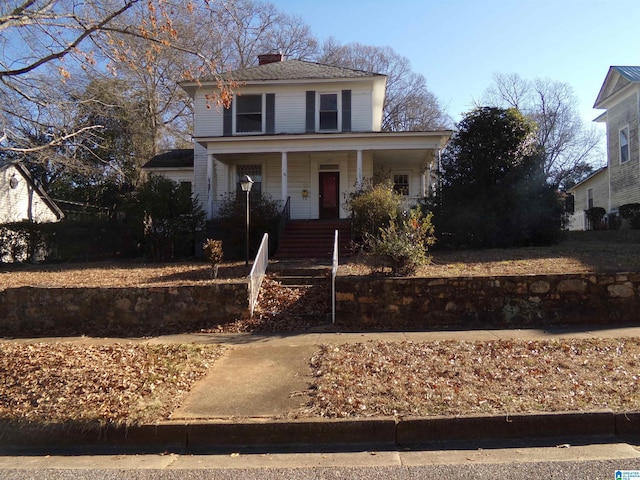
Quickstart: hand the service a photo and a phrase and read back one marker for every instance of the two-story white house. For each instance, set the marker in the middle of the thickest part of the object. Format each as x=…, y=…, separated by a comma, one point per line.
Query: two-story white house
x=619, y=183
x=306, y=132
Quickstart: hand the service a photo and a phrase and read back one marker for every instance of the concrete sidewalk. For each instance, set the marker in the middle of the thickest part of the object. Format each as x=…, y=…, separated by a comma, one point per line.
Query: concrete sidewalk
x=248, y=398
x=267, y=375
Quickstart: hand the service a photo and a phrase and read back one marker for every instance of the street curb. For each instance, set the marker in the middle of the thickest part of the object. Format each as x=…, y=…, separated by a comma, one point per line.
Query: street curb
x=309, y=434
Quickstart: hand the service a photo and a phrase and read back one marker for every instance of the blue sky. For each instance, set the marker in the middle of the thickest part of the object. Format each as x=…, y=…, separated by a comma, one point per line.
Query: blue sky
x=459, y=44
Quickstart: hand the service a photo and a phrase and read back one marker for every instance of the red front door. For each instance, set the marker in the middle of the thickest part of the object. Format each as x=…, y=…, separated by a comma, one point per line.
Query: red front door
x=329, y=195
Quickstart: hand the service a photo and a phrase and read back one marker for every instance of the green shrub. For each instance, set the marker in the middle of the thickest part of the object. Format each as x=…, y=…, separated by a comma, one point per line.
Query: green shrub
x=403, y=244
x=631, y=213
x=230, y=226
x=170, y=217
x=595, y=216
x=374, y=206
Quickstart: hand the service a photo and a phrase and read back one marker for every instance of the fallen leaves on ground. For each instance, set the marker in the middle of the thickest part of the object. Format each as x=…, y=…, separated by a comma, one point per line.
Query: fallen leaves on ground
x=282, y=308
x=98, y=384
x=462, y=378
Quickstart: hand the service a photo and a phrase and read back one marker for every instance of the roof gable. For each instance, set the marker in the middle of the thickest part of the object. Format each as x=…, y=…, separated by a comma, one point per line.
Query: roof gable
x=618, y=78
x=24, y=172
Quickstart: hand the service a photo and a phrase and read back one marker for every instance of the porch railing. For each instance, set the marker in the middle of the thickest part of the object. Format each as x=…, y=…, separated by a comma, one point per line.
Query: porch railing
x=257, y=272
x=216, y=206
x=285, y=216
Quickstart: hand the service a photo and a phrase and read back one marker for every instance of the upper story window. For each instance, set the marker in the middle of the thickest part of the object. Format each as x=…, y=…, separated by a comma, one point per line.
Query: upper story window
x=590, y=198
x=328, y=118
x=328, y=111
x=249, y=114
x=624, y=144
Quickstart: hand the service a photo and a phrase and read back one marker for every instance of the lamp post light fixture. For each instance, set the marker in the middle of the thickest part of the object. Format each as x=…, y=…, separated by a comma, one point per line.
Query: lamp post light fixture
x=246, y=183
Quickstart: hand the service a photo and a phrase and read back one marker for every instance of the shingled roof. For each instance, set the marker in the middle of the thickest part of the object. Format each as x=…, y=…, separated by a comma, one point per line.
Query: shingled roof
x=179, y=158
x=295, y=70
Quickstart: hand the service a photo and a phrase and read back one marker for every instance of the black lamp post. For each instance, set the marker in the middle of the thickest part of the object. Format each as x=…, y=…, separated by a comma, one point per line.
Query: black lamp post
x=246, y=183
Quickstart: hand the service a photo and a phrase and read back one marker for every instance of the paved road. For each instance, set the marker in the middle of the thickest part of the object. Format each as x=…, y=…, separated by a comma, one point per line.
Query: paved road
x=589, y=462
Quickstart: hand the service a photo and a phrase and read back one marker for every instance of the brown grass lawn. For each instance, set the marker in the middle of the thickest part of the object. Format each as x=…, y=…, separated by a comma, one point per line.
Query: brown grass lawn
x=580, y=252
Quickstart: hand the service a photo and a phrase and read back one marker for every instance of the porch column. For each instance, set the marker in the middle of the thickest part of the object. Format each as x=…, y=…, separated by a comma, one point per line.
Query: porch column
x=210, y=184
x=285, y=189
x=424, y=179
x=359, y=169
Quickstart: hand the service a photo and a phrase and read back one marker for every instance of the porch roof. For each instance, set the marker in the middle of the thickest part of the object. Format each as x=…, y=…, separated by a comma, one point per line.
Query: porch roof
x=330, y=142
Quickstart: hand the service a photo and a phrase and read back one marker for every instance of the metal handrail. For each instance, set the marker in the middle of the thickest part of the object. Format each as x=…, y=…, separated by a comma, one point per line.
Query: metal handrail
x=257, y=272
x=285, y=215
x=334, y=272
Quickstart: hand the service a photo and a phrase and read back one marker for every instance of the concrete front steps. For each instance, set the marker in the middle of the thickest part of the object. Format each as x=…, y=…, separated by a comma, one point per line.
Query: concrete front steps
x=299, y=273
x=314, y=239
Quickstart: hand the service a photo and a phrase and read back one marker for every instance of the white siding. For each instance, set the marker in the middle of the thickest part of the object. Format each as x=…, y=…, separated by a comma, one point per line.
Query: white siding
x=22, y=202
x=290, y=112
x=361, y=111
x=600, y=185
x=404, y=168
x=200, y=174
x=290, y=107
x=299, y=180
x=207, y=118
x=625, y=177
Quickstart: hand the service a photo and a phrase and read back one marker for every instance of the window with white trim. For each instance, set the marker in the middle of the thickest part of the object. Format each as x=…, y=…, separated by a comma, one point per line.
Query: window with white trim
x=249, y=114
x=401, y=183
x=255, y=172
x=590, y=198
x=624, y=144
x=328, y=112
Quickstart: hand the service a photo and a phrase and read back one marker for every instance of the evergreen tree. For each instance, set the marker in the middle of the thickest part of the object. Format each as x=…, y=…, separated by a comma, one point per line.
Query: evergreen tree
x=493, y=191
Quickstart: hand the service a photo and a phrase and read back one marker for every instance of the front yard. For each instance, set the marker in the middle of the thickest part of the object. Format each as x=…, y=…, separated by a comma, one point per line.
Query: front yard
x=132, y=383
x=596, y=251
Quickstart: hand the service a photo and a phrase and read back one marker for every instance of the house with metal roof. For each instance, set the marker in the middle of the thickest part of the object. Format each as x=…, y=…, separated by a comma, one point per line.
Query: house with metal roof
x=307, y=134
x=620, y=98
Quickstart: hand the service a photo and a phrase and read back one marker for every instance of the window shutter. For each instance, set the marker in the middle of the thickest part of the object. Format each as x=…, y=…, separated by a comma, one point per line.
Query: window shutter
x=346, y=110
x=271, y=113
x=310, y=119
x=227, y=121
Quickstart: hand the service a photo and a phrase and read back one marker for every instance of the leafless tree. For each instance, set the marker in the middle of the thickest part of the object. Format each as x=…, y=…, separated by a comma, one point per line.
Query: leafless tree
x=570, y=147
x=409, y=105
x=237, y=31
x=46, y=45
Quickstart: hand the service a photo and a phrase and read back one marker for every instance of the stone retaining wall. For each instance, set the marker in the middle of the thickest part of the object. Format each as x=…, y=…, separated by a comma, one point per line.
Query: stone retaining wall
x=509, y=301
x=33, y=311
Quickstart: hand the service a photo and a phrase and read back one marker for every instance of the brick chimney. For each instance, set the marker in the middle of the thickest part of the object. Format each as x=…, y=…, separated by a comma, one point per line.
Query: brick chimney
x=266, y=58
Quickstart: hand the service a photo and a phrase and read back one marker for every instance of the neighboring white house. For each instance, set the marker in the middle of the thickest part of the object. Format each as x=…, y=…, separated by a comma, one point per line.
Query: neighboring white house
x=620, y=98
x=21, y=199
x=304, y=131
x=174, y=164
x=593, y=191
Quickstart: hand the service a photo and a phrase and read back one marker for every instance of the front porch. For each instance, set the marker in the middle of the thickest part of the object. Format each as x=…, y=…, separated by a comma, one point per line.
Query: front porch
x=318, y=172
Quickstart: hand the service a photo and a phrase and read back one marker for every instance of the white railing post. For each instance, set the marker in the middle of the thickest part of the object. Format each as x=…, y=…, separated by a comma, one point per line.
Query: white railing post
x=334, y=272
x=257, y=272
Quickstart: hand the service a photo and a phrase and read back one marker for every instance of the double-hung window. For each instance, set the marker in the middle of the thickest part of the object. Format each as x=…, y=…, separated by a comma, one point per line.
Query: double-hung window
x=253, y=171
x=328, y=118
x=401, y=183
x=624, y=144
x=249, y=110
